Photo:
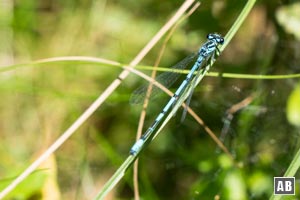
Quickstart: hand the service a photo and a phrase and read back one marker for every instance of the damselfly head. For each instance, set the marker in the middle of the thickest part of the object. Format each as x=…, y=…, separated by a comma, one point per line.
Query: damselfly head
x=216, y=38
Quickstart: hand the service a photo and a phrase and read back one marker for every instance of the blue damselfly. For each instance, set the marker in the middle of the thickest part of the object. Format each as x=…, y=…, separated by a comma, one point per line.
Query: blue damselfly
x=205, y=53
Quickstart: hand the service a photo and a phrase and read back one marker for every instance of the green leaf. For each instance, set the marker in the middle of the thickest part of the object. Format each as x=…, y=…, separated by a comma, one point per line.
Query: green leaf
x=289, y=18
x=234, y=185
x=31, y=187
x=293, y=107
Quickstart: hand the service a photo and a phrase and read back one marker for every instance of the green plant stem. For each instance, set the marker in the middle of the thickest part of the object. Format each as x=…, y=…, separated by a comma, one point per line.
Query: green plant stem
x=121, y=171
x=237, y=24
x=290, y=172
x=104, y=62
x=118, y=175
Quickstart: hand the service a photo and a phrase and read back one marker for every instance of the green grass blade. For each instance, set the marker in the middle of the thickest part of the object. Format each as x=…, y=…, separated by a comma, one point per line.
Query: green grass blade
x=237, y=24
x=118, y=175
x=290, y=172
x=128, y=162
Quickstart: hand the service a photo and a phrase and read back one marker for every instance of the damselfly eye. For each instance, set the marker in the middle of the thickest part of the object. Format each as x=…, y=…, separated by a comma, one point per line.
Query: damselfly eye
x=210, y=36
x=221, y=40
x=215, y=37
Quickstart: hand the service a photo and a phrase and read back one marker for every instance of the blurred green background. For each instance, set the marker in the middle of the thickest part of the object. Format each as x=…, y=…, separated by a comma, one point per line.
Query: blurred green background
x=38, y=103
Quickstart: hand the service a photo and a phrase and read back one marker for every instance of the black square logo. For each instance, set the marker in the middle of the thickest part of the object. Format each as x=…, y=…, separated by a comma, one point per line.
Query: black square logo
x=284, y=185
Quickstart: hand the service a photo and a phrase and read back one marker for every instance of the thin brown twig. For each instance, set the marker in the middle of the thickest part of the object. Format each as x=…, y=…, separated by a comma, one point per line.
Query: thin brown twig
x=97, y=103
x=230, y=113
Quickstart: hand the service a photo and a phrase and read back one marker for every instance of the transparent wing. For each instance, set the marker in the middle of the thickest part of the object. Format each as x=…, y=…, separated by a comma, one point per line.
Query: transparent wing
x=167, y=79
